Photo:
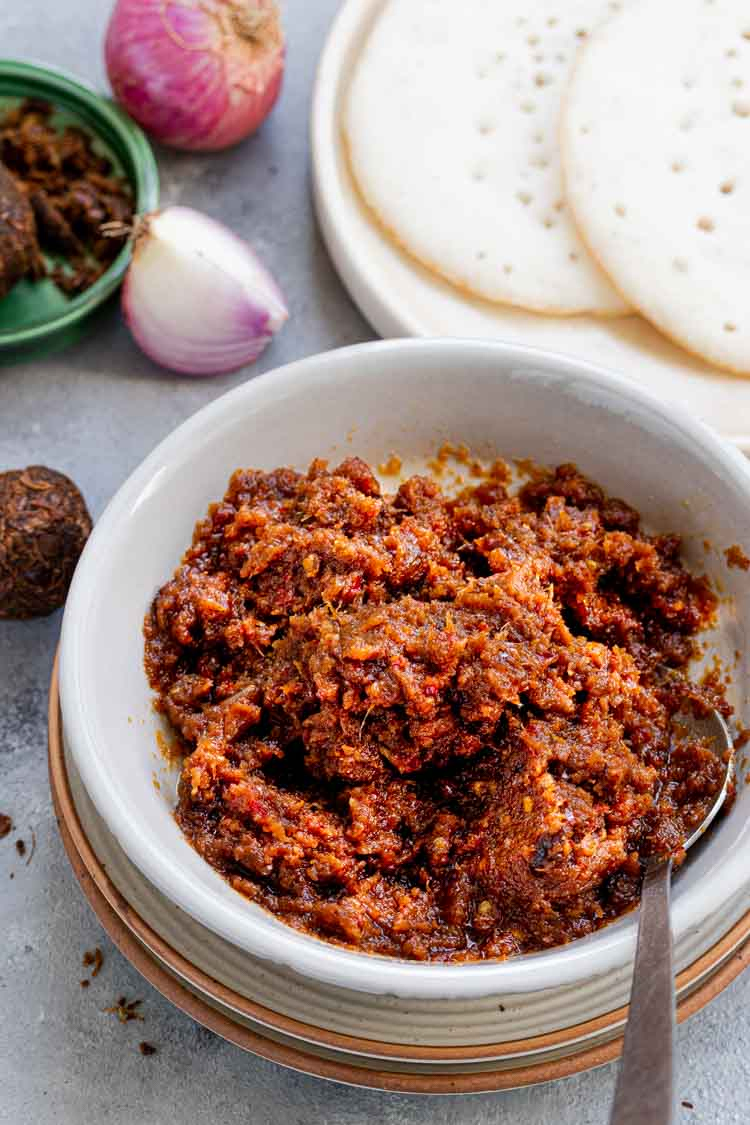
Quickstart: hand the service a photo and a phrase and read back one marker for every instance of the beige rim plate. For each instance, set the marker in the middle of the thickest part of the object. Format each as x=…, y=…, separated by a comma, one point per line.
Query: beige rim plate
x=401, y=298
x=317, y=1051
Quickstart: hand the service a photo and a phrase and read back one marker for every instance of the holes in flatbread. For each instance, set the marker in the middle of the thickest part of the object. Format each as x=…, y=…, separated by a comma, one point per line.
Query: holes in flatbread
x=731, y=53
x=706, y=224
x=741, y=108
x=559, y=204
x=680, y=264
x=584, y=130
x=678, y=166
x=573, y=256
x=552, y=21
x=539, y=162
x=689, y=83
x=727, y=187
x=507, y=268
x=620, y=210
x=532, y=40
x=729, y=326
x=486, y=127
x=538, y=138
x=481, y=255
x=687, y=122
x=524, y=197
x=527, y=107
x=737, y=83
x=548, y=222
x=581, y=33
x=479, y=175
x=499, y=56
x=746, y=33
x=542, y=80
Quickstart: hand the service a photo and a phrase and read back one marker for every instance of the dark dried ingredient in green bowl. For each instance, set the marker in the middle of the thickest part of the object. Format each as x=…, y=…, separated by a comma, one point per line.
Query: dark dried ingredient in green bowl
x=19, y=251
x=73, y=192
x=44, y=525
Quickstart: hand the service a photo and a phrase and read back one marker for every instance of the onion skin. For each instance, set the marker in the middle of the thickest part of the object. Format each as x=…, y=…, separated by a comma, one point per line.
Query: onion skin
x=196, y=298
x=199, y=75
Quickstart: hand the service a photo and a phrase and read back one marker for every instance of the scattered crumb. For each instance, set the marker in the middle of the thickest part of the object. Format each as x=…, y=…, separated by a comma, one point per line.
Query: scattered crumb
x=12, y=875
x=461, y=454
x=147, y=1048
x=687, y=1105
x=736, y=557
x=156, y=783
x=6, y=825
x=501, y=1007
x=93, y=957
x=21, y=847
x=126, y=1010
x=528, y=468
x=707, y=545
x=33, y=846
x=391, y=467
x=742, y=738
x=169, y=749
x=85, y=983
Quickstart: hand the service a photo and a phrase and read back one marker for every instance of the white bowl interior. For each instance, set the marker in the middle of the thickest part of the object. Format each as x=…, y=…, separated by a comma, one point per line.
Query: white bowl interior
x=371, y=400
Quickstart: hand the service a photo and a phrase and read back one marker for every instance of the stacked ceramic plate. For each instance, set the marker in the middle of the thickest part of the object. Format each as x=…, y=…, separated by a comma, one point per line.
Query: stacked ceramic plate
x=304, y=1002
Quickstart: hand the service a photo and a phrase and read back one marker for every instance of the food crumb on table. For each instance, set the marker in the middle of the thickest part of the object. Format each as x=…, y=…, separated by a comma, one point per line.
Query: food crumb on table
x=147, y=1048
x=126, y=1010
x=93, y=959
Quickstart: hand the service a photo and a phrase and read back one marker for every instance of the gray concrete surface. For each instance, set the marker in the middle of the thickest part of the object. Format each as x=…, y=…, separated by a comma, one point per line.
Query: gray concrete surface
x=94, y=411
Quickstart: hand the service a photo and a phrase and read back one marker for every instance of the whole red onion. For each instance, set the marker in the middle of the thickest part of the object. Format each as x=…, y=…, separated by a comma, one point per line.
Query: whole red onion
x=196, y=74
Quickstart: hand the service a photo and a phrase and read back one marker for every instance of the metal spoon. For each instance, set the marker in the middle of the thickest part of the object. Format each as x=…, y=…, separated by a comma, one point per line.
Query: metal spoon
x=644, y=1094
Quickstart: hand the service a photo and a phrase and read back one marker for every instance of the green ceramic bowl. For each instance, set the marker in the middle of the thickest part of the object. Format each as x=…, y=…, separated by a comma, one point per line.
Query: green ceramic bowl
x=36, y=314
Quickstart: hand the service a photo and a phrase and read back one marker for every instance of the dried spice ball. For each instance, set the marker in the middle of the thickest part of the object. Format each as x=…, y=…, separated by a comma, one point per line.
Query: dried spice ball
x=44, y=525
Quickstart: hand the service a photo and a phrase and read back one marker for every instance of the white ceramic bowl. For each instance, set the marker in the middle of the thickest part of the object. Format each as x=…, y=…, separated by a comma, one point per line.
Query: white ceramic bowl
x=408, y=396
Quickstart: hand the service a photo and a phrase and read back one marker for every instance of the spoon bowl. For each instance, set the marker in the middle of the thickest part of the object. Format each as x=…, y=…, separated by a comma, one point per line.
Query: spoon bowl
x=712, y=728
x=644, y=1094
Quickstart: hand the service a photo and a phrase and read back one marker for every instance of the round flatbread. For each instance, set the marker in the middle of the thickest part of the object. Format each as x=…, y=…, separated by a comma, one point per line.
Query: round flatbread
x=656, y=155
x=451, y=122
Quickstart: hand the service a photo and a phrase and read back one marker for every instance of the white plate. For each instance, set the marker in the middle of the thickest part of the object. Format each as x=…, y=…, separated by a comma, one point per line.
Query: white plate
x=400, y=298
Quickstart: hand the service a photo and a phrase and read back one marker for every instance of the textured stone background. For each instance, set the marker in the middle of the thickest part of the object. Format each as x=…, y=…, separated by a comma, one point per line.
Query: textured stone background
x=94, y=411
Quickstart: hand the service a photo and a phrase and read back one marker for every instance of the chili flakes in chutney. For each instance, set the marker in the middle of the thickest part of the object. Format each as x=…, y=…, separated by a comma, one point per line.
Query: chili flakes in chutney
x=431, y=727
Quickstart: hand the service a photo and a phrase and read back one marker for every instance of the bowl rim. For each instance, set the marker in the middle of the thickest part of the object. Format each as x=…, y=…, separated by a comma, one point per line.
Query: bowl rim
x=143, y=176
x=304, y=953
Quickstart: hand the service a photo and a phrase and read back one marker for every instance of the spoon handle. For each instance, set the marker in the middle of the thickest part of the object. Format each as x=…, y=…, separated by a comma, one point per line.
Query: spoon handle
x=645, y=1086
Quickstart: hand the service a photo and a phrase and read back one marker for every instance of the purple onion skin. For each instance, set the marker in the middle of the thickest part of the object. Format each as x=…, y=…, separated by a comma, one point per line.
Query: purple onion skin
x=189, y=73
